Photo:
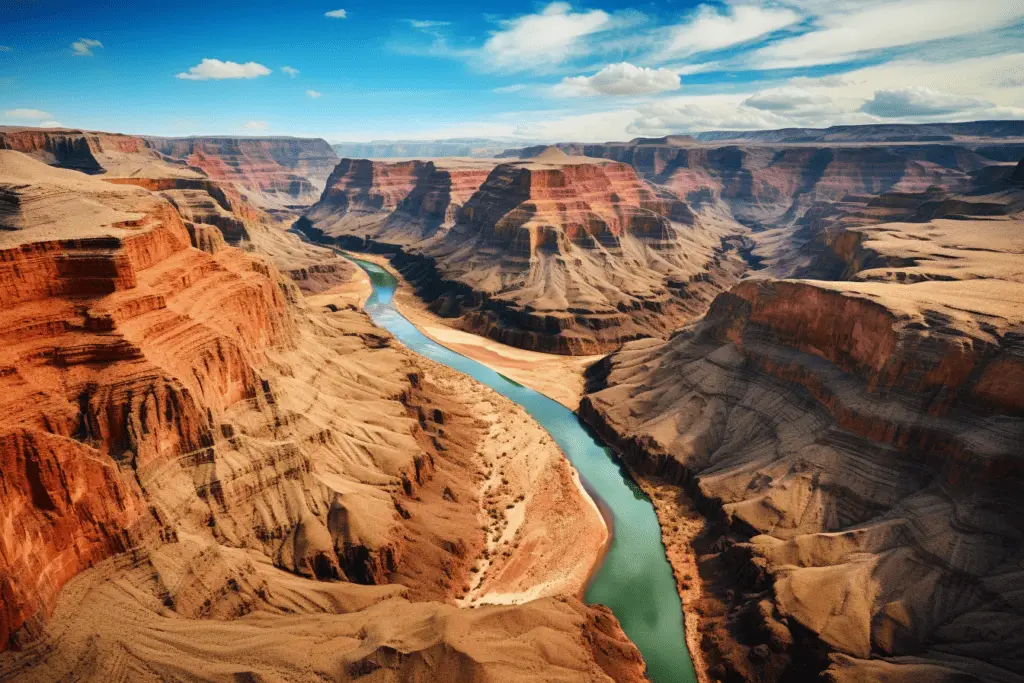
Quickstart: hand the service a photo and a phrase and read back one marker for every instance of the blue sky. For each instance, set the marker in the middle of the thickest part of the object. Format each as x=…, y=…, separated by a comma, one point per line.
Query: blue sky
x=537, y=71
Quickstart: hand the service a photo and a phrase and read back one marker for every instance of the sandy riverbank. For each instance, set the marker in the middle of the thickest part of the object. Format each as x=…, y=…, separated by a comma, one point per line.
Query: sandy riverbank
x=680, y=525
x=557, y=377
x=544, y=533
x=547, y=544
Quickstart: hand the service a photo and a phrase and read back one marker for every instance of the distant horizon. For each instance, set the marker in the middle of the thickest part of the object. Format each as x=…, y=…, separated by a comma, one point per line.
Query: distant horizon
x=520, y=142
x=537, y=71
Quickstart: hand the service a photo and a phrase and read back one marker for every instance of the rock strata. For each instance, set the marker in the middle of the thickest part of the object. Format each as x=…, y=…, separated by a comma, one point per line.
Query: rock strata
x=270, y=172
x=191, y=456
x=855, y=444
x=560, y=254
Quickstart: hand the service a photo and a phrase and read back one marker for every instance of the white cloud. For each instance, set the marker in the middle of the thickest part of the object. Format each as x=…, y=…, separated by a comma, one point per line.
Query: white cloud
x=83, y=47
x=51, y=124
x=290, y=70
x=315, y=94
x=256, y=126
x=539, y=40
x=980, y=77
x=710, y=29
x=619, y=79
x=920, y=101
x=214, y=69
x=336, y=14
x=506, y=89
x=426, y=24
x=845, y=31
x=6, y=48
x=593, y=127
x=794, y=101
x=28, y=114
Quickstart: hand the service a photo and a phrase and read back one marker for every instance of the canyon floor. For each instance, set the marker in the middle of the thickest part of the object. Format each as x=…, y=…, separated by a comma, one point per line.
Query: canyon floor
x=556, y=376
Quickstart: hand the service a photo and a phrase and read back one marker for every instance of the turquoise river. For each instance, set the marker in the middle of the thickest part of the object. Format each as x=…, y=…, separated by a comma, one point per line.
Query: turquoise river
x=634, y=579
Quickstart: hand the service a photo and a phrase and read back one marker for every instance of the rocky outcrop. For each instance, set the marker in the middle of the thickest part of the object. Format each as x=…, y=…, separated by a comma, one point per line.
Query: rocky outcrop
x=559, y=254
x=397, y=203
x=765, y=185
x=270, y=172
x=191, y=457
x=92, y=152
x=858, y=441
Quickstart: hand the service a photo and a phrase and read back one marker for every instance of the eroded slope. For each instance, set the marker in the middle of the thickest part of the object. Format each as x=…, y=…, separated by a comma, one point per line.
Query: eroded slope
x=859, y=443
x=560, y=254
x=192, y=458
x=274, y=173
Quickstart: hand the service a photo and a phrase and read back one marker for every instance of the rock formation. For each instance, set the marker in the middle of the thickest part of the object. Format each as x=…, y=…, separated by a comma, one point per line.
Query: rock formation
x=767, y=185
x=272, y=172
x=93, y=152
x=856, y=442
x=396, y=203
x=561, y=254
x=192, y=457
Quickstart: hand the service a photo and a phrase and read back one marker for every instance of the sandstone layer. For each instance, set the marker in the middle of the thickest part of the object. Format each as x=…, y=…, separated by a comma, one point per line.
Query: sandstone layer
x=274, y=173
x=201, y=476
x=396, y=203
x=93, y=152
x=560, y=254
x=856, y=446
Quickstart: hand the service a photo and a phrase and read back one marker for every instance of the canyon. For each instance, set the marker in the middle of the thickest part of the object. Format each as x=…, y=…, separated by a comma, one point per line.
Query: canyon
x=805, y=347
x=560, y=254
x=199, y=450
x=274, y=172
x=853, y=442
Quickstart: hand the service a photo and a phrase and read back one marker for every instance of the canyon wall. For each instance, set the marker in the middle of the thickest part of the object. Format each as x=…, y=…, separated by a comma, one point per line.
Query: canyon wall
x=856, y=446
x=559, y=254
x=93, y=152
x=766, y=185
x=397, y=203
x=274, y=172
x=193, y=456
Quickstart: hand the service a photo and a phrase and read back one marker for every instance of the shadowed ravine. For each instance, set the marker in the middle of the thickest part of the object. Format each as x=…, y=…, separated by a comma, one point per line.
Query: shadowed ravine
x=635, y=579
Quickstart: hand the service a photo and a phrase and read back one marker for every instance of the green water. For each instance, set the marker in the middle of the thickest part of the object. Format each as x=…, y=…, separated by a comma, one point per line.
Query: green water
x=635, y=580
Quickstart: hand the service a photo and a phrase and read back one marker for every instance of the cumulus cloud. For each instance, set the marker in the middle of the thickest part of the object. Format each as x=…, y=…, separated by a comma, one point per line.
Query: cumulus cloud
x=544, y=39
x=713, y=29
x=793, y=101
x=920, y=101
x=315, y=94
x=256, y=126
x=5, y=48
x=83, y=47
x=336, y=14
x=619, y=79
x=700, y=113
x=290, y=70
x=214, y=69
x=28, y=114
x=845, y=31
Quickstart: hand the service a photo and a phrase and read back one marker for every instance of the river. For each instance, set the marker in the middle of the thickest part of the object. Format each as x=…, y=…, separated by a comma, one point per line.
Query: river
x=635, y=579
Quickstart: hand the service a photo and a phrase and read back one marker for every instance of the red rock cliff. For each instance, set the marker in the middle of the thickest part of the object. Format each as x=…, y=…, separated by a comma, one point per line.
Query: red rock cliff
x=860, y=441
x=275, y=172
